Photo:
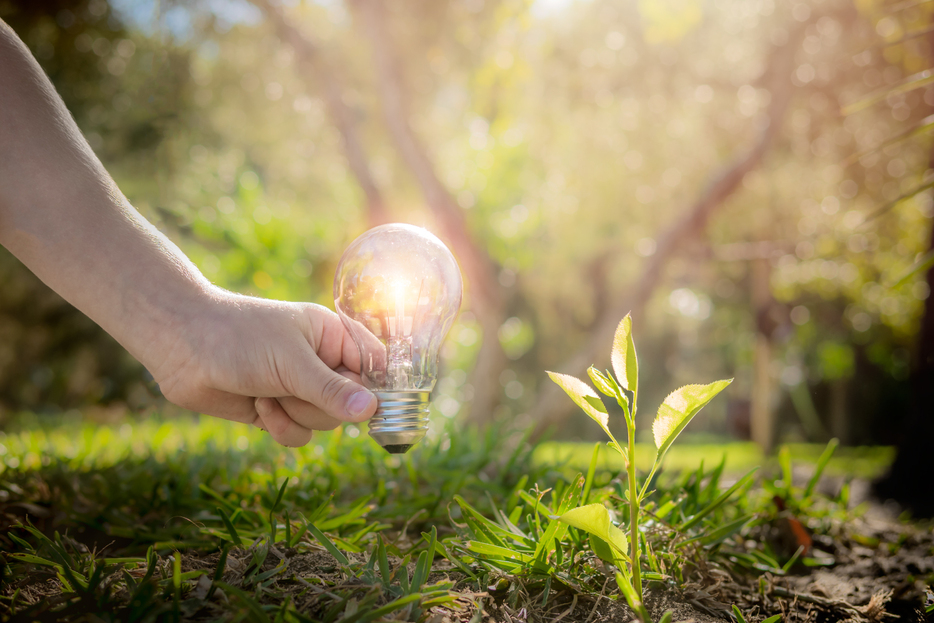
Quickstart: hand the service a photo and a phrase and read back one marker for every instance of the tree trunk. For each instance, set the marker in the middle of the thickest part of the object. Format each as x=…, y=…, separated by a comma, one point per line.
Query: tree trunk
x=762, y=415
x=909, y=479
x=487, y=300
x=312, y=64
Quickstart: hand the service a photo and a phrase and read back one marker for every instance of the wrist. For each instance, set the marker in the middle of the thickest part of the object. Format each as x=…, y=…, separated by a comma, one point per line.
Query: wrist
x=163, y=323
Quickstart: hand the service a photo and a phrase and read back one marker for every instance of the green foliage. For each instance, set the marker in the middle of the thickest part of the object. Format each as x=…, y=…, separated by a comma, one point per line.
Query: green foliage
x=189, y=510
x=623, y=356
x=225, y=141
x=607, y=541
x=678, y=409
x=157, y=507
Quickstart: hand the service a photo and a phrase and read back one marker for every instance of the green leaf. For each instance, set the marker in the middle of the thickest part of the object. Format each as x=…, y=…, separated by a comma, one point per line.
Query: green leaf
x=602, y=382
x=775, y=618
x=603, y=550
x=35, y=560
x=580, y=392
x=739, y=615
x=679, y=408
x=595, y=519
x=623, y=356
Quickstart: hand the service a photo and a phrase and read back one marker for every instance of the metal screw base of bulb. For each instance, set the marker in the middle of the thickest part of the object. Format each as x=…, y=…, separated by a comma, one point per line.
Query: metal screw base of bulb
x=401, y=419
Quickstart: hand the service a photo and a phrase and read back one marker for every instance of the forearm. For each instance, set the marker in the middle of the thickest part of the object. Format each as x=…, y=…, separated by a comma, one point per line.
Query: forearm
x=64, y=218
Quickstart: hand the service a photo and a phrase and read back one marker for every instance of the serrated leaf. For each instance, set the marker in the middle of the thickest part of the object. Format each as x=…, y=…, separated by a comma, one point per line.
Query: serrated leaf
x=623, y=356
x=596, y=403
x=679, y=408
x=581, y=394
x=595, y=519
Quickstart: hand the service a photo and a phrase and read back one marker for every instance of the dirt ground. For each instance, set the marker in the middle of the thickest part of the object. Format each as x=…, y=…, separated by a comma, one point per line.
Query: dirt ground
x=882, y=576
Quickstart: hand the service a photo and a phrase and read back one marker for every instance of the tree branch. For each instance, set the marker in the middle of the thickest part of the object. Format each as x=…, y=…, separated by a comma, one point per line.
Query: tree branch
x=311, y=62
x=486, y=295
x=480, y=269
x=550, y=409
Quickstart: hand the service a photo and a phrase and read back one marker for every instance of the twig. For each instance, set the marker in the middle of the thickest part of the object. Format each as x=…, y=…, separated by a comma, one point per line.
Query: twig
x=568, y=611
x=596, y=601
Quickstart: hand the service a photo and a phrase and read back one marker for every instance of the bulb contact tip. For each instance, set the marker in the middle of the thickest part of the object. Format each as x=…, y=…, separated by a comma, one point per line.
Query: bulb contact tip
x=401, y=419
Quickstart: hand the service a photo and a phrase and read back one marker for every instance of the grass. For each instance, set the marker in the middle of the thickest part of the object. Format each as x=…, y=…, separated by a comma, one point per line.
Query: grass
x=868, y=462
x=207, y=520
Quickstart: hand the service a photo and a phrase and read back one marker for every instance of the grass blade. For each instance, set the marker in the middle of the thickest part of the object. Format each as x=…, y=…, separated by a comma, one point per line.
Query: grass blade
x=719, y=501
x=591, y=469
x=234, y=537
x=720, y=534
x=821, y=464
x=328, y=544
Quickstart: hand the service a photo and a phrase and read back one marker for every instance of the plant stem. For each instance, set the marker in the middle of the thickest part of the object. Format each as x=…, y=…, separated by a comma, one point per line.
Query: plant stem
x=634, y=514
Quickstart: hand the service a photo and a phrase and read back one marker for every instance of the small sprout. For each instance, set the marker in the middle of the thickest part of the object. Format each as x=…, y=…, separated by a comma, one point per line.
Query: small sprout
x=607, y=541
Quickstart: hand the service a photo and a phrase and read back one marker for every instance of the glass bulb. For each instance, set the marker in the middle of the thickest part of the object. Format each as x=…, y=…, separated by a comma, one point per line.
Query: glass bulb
x=397, y=291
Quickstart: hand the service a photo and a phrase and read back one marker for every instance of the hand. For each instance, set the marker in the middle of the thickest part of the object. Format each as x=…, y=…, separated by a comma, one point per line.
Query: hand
x=289, y=368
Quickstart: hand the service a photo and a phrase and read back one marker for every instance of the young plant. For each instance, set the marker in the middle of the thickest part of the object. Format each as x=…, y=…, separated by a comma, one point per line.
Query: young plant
x=607, y=541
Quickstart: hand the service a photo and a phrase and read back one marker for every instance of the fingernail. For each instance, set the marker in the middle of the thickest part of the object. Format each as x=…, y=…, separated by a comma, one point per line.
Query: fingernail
x=359, y=402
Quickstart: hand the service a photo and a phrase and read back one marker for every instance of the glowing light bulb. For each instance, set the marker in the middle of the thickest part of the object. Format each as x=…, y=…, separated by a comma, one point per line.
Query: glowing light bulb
x=397, y=291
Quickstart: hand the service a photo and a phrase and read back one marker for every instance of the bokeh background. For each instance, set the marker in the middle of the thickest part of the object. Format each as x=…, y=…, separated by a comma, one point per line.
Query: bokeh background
x=751, y=178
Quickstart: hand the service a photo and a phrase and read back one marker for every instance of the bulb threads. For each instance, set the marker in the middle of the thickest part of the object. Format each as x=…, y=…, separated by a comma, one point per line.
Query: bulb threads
x=401, y=419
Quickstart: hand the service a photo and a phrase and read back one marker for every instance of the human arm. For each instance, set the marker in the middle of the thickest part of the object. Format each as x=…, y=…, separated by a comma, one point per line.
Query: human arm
x=210, y=350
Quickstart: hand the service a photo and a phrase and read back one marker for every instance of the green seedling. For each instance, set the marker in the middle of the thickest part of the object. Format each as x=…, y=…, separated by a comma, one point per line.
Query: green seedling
x=678, y=409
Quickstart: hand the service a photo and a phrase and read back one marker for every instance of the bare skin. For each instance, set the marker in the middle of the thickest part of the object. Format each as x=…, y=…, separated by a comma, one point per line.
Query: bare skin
x=287, y=367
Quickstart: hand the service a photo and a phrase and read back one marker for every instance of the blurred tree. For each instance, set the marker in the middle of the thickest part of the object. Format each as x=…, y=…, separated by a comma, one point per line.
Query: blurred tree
x=566, y=153
x=486, y=295
x=905, y=30
x=51, y=354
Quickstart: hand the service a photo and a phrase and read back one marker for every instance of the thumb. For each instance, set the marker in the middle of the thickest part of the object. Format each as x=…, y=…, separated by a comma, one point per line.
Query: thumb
x=336, y=395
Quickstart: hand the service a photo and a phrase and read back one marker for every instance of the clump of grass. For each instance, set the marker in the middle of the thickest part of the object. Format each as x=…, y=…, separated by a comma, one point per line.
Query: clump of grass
x=178, y=519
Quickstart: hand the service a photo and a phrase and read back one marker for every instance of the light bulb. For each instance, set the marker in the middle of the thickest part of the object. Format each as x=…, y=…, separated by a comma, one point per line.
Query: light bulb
x=397, y=291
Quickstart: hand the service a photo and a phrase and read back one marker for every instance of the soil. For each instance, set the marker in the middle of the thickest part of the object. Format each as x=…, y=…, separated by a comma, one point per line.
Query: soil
x=884, y=575
x=878, y=569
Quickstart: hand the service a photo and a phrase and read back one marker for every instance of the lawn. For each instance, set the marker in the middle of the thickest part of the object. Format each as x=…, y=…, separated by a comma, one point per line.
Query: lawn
x=199, y=519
